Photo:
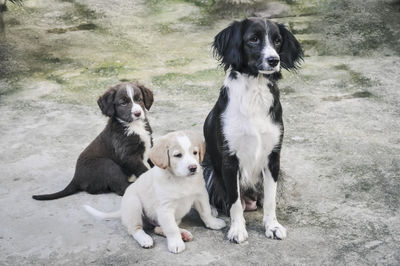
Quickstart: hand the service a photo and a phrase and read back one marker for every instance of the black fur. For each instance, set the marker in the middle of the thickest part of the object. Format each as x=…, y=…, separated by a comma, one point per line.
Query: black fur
x=232, y=50
x=290, y=53
x=108, y=162
x=239, y=47
x=4, y=8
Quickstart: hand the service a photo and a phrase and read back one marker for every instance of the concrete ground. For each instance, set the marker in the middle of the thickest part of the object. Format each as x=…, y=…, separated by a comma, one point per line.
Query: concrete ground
x=340, y=159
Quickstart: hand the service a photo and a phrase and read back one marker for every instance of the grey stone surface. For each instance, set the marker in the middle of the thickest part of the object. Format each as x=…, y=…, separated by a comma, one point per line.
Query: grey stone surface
x=340, y=158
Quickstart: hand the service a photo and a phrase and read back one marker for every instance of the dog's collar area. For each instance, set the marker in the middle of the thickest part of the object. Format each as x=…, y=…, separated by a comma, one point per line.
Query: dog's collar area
x=137, y=126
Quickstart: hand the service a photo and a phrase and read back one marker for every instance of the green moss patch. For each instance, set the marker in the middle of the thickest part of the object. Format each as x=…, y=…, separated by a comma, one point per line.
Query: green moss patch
x=84, y=26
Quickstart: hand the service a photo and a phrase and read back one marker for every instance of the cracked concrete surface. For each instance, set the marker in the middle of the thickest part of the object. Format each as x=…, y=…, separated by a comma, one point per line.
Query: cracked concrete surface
x=341, y=153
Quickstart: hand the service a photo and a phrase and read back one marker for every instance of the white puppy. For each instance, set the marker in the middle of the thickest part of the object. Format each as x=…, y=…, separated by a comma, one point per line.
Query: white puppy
x=165, y=193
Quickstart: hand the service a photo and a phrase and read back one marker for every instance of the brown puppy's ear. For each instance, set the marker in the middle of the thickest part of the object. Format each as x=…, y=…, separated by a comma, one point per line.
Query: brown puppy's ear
x=159, y=153
x=106, y=102
x=199, y=142
x=147, y=95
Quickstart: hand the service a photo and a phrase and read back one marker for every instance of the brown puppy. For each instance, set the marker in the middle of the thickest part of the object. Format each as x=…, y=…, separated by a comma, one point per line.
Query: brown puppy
x=122, y=148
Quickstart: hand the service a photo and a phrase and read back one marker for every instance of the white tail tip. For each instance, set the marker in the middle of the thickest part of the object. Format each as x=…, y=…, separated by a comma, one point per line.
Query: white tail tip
x=102, y=215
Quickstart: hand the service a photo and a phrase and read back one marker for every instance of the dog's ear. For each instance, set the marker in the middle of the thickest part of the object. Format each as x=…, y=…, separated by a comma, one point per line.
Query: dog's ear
x=106, y=102
x=228, y=44
x=147, y=96
x=159, y=153
x=202, y=151
x=291, y=53
x=199, y=142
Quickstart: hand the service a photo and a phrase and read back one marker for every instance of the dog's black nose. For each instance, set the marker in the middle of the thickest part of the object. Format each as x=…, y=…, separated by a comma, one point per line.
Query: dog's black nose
x=272, y=61
x=192, y=168
x=137, y=113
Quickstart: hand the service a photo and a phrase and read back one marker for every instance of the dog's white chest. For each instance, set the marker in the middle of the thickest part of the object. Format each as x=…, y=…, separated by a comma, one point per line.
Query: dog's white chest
x=247, y=125
x=179, y=193
x=138, y=127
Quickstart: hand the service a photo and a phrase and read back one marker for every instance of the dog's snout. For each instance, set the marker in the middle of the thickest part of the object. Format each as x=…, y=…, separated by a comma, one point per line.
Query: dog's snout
x=137, y=113
x=192, y=168
x=273, y=61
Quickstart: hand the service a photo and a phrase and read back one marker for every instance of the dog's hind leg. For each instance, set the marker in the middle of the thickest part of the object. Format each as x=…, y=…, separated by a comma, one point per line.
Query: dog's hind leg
x=185, y=234
x=108, y=176
x=119, y=185
x=131, y=216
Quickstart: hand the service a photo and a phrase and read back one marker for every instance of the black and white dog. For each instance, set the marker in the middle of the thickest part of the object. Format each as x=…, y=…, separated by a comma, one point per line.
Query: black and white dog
x=122, y=149
x=244, y=130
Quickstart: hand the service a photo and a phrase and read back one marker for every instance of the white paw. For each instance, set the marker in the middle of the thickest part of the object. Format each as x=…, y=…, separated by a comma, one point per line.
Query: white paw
x=144, y=240
x=215, y=223
x=176, y=245
x=275, y=230
x=237, y=233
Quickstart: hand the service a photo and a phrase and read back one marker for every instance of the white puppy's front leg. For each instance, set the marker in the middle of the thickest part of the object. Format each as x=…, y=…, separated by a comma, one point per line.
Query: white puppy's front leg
x=273, y=229
x=203, y=207
x=166, y=219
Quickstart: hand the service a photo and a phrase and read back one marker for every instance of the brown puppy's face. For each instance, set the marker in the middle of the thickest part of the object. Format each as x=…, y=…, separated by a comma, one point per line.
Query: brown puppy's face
x=126, y=101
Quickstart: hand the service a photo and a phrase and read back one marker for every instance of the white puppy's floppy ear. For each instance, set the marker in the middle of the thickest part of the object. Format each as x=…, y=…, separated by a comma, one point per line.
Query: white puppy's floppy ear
x=202, y=147
x=159, y=153
x=199, y=142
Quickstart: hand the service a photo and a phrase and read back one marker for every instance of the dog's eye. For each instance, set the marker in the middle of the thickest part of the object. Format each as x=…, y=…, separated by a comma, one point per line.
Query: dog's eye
x=124, y=103
x=139, y=100
x=277, y=42
x=178, y=155
x=254, y=39
x=195, y=152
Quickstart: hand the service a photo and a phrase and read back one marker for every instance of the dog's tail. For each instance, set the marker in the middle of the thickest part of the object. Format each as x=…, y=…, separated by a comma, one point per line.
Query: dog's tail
x=69, y=190
x=102, y=215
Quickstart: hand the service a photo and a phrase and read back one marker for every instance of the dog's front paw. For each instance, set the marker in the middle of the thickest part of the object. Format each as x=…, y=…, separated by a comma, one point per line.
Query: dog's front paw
x=144, y=240
x=216, y=223
x=237, y=233
x=275, y=230
x=176, y=245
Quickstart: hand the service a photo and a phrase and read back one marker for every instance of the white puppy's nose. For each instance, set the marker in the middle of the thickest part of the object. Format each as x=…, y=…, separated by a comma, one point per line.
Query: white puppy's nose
x=137, y=113
x=192, y=168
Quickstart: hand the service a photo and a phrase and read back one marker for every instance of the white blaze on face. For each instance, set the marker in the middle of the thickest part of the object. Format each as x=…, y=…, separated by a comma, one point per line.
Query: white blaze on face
x=267, y=52
x=135, y=107
x=181, y=165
